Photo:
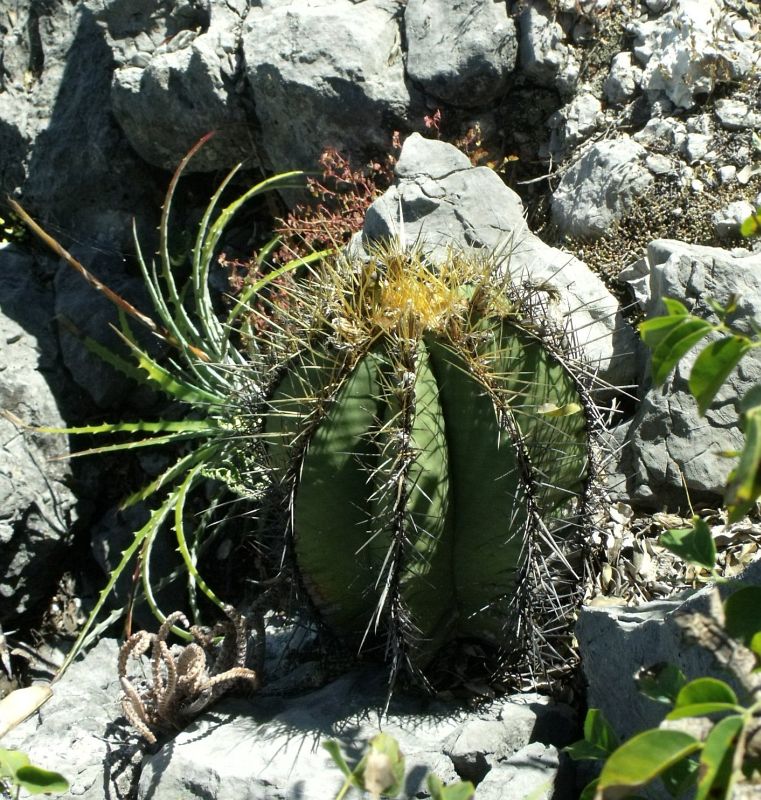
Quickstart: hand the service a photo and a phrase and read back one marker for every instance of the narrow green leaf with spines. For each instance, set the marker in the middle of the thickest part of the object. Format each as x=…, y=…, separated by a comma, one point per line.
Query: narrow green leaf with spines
x=154, y=522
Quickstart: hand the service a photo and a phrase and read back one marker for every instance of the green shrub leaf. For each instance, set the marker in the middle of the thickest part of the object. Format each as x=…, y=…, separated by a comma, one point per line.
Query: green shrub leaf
x=701, y=710
x=744, y=483
x=599, y=740
x=755, y=644
x=752, y=225
x=693, y=544
x=716, y=760
x=642, y=759
x=670, y=338
x=11, y=761
x=712, y=367
x=589, y=791
x=462, y=790
x=598, y=731
x=705, y=690
x=661, y=682
x=741, y=611
x=41, y=781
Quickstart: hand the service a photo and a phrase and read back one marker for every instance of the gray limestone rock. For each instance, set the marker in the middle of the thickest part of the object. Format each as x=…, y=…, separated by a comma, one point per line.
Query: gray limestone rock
x=545, y=57
x=599, y=187
x=59, y=143
x=271, y=748
x=668, y=439
x=615, y=642
x=680, y=51
x=662, y=133
x=623, y=79
x=727, y=220
x=735, y=115
x=445, y=202
x=462, y=53
x=574, y=123
x=81, y=311
x=79, y=733
x=696, y=146
x=326, y=73
x=532, y=772
x=178, y=77
x=36, y=505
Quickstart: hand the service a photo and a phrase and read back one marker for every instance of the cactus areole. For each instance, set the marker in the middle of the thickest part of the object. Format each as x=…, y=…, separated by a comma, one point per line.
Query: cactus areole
x=430, y=439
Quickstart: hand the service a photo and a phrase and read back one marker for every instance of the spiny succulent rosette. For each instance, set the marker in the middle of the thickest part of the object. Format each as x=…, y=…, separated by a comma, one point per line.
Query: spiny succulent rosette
x=430, y=434
x=423, y=436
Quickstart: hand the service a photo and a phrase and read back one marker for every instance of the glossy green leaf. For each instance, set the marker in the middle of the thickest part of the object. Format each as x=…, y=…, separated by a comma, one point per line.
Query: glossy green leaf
x=705, y=690
x=752, y=225
x=599, y=740
x=744, y=482
x=723, y=311
x=701, y=710
x=716, y=760
x=742, y=611
x=36, y=780
x=585, y=751
x=589, y=791
x=11, y=761
x=462, y=790
x=661, y=682
x=693, y=544
x=598, y=731
x=755, y=643
x=672, y=346
x=642, y=759
x=712, y=367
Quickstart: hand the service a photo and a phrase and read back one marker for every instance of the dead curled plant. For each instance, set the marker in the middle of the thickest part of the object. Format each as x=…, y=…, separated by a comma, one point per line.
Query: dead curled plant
x=184, y=681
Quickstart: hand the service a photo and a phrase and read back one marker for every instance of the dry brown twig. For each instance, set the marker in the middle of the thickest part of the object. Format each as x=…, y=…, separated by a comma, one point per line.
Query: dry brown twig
x=183, y=683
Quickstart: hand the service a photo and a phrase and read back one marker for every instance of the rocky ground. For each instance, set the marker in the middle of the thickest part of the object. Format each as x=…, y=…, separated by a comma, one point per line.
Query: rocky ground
x=622, y=147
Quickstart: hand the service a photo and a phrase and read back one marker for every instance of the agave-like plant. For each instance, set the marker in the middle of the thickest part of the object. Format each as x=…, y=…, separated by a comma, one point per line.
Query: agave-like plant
x=422, y=435
x=207, y=372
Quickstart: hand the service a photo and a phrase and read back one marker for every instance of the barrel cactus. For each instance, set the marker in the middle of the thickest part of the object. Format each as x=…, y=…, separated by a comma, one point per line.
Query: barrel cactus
x=429, y=436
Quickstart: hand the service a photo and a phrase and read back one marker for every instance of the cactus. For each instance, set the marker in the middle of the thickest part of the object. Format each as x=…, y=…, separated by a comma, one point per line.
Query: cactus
x=430, y=441
x=425, y=431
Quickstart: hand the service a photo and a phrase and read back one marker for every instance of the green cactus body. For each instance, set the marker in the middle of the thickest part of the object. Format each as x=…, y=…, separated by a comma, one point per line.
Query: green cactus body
x=426, y=463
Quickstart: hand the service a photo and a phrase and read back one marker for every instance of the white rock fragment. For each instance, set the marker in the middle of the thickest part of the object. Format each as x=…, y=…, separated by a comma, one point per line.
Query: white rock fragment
x=545, y=57
x=574, y=123
x=662, y=133
x=727, y=221
x=695, y=147
x=689, y=49
x=659, y=164
x=623, y=79
x=744, y=175
x=735, y=115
